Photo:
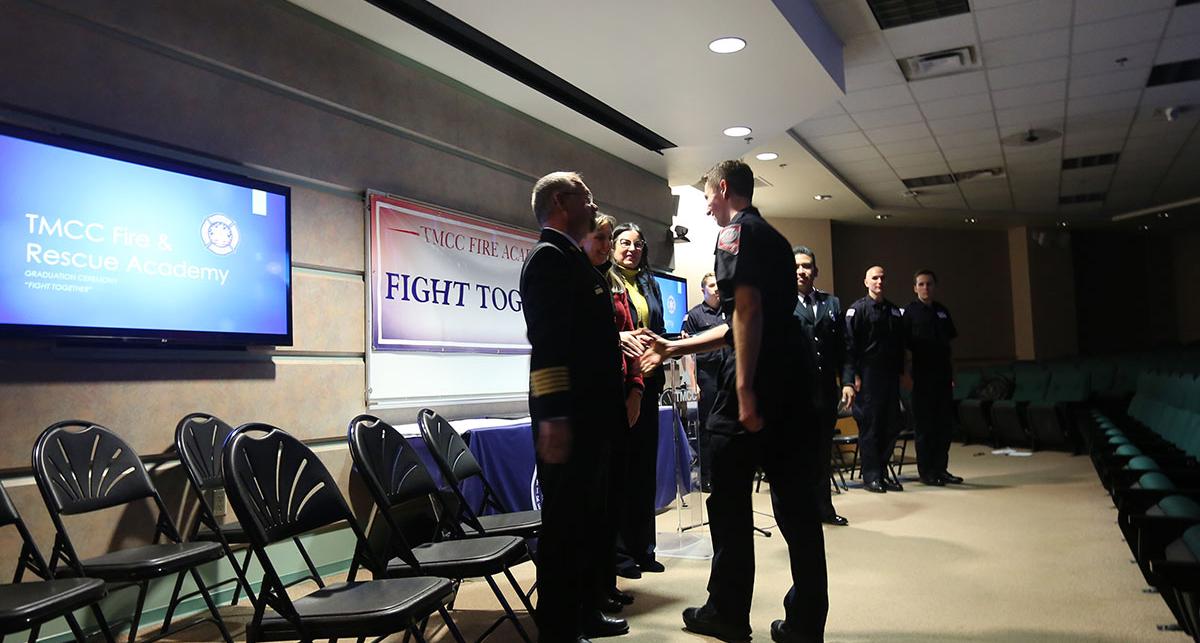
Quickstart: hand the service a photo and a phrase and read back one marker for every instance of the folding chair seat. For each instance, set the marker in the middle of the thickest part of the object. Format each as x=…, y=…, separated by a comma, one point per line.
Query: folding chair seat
x=199, y=438
x=394, y=476
x=456, y=464
x=82, y=467
x=840, y=466
x=26, y=606
x=279, y=490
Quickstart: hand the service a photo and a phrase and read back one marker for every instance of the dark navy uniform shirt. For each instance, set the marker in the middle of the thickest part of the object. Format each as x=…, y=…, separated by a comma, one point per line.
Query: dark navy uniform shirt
x=874, y=337
x=699, y=319
x=928, y=330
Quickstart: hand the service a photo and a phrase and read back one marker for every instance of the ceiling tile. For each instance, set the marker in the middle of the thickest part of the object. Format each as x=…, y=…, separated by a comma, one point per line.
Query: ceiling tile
x=898, y=133
x=1122, y=31
x=889, y=188
x=1185, y=20
x=839, y=141
x=1097, y=10
x=1021, y=19
x=887, y=117
x=851, y=155
x=826, y=126
x=932, y=35
x=859, y=178
x=1031, y=95
x=866, y=48
x=1090, y=147
x=1108, y=83
x=1147, y=132
x=1034, y=157
x=833, y=109
x=973, y=151
x=915, y=160
x=1021, y=49
x=907, y=147
x=873, y=164
x=915, y=171
x=957, y=106
x=980, y=5
x=1141, y=158
x=1031, y=73
x=949, y=86
x=849, y=18
x=968, y=139
x=975, y=163
x=1084, y=180
x=942, y=200
x=1103, y=103
x=1178, y=48
x=1104, y=61
x=984, y=187
x=873, y=75
x=879, y=98
x=1120, y=118
x=967, y=123
x=1026, y=116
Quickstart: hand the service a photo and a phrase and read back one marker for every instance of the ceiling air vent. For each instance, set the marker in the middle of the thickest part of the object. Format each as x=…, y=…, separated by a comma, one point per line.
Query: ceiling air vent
x=929, y=181
x=957, y=177
x=897, y=13
x=760, y=182
x=1074, y=199
x=939, y=63
x=1180, y=3
x=1090, y=161
x=979, y=175
x=1177, y=72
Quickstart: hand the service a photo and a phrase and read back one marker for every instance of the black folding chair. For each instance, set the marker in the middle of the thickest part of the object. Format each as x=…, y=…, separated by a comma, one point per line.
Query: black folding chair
x=457, y=464
x=395, y=477
x=82, y=467
x=26, y=606
x=279, y=489
x=199, y=438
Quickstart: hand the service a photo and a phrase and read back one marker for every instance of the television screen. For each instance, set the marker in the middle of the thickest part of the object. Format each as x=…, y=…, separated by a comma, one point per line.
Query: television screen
x=674, y=294
x=102, y=242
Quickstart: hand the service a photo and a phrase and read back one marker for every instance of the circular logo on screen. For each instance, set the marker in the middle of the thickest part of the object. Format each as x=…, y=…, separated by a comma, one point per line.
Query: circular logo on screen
x=671, y=306
x=219, y=234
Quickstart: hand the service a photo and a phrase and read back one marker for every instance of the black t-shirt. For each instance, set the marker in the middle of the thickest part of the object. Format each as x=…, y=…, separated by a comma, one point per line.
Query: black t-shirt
x=699, y=319
x=874, y=337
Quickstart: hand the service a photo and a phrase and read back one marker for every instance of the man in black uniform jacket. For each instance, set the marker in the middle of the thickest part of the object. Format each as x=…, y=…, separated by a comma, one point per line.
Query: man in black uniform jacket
x=820, y=314
x=875, y=355
x=928, y=329
x=700, y=318
x=763, y=417
x=576, y=400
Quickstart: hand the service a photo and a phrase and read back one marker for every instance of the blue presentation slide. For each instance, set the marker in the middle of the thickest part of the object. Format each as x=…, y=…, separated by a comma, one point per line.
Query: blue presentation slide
x=94, y=242
x=674, y=294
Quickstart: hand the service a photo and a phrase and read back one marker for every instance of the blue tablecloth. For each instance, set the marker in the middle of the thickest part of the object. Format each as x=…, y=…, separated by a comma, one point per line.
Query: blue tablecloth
x=505, y=453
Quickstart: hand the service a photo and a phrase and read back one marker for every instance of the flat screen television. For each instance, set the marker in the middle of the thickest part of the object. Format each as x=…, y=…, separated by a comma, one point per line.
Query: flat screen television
x=674, y=294
x=103, y=242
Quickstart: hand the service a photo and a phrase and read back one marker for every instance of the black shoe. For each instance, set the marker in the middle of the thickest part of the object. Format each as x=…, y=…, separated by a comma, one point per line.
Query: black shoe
x=834, y=519
x=704, y=620
x=599, y=625
x=875, y=487
x=610, y=605
x=651, y=566
x=629, y=570
x=781, y=633
x=933, y=481
x=620, y=597
x=950, y=478
x=892, y=485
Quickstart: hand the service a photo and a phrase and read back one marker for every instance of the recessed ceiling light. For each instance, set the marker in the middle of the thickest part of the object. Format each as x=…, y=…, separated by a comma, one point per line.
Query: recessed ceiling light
x=883, y=217
x=1164, y=215
x=1144, y=228
x=737, y=131
x=1063, y=224
x=767, y=156
x=969, y=220
x=912, y=194
x=727, y=45
x=822, y=197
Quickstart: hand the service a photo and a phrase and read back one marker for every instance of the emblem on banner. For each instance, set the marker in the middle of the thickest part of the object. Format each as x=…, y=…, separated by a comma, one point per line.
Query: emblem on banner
x=730, y=239
x=219, y=234
x=535, y=490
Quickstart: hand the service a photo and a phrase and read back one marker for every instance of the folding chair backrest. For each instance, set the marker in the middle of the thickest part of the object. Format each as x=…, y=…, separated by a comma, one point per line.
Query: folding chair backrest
x=82, y=467
x=278, y=487
x=30, y=556
x=8, y=512
x=388, y=464
x=199, y=438
x=447, y=447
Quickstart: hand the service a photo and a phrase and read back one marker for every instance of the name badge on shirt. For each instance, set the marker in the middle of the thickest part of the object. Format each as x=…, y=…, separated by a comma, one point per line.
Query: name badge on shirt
x=599, y=290
x=943, y=315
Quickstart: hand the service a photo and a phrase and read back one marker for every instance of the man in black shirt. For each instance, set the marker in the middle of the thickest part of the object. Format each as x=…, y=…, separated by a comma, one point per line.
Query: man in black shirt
x=820, y=314
x=875, y=355
x=928, y=330
x=700, y=318
x=762, y=417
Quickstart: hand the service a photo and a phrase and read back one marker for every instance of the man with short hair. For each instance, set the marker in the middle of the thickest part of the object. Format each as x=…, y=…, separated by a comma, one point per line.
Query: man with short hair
x=700, y=318
x=875, y=355
x=820, y=314
x=576, y=400
x=928, y=330
x=763, y=417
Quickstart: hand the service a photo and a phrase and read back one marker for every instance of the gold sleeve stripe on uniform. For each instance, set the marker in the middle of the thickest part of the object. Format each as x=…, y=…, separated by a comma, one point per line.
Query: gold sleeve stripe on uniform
x=547, y=381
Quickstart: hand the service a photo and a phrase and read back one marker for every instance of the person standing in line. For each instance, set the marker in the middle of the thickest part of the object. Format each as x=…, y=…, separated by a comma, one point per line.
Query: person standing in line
x=576, y=399
x=875, y=356
x=820, y=314
x=763, y=417
x=928, y=331
x=700, y=318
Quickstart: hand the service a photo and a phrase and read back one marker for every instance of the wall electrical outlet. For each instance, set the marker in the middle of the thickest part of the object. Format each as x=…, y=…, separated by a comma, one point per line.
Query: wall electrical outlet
x=217, y=502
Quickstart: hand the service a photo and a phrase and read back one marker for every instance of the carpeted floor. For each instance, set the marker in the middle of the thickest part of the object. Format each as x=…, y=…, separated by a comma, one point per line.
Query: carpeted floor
x=1027, y=550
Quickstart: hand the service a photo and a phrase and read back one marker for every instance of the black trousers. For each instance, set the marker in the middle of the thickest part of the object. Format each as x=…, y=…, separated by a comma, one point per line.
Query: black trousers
x=933, y=407
x=786, y=458
x=574, y=552
x=708, y=394
x=876, y=409
x=637, y=531
x=826, y=423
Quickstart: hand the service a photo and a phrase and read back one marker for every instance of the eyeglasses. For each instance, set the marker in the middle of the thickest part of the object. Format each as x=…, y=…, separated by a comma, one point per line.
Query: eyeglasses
x=637, y=245
x=586, y=195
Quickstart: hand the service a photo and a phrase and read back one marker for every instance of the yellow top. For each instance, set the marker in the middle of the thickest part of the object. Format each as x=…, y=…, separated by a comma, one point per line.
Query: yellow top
x=635, y=295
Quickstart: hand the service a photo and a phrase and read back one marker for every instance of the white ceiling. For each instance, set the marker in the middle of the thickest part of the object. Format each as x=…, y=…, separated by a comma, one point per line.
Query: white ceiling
x=1045, y=64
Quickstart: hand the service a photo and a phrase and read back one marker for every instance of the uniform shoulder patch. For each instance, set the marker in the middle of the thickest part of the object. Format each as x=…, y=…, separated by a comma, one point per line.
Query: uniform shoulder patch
x=730, y=239
x=849, y=312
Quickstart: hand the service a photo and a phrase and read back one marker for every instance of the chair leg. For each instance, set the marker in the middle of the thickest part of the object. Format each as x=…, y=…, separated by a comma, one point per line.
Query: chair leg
x=212, y=607
x=308, y=561
x=520, y=592
x=243, y=581
x=33, y=633
x=102, y=622
x=137, y=611
x=172, y=604
x=450, y=624
x=508, y=609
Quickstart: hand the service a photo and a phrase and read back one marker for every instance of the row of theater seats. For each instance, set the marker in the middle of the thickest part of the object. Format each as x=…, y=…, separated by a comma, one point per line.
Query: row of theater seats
x=279, y=490
x=1033, y=405
x=1146, y=458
